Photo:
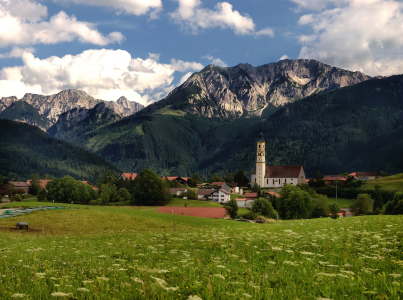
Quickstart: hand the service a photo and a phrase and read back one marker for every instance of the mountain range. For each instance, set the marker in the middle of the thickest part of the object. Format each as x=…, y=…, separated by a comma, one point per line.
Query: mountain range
x=52, y=106
x=311, y=114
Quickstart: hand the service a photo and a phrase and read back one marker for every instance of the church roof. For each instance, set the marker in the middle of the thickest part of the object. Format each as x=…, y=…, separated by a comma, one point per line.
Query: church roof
x=282, y=171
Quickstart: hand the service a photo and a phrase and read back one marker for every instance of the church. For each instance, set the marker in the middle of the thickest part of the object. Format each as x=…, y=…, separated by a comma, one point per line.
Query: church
x=274, y=176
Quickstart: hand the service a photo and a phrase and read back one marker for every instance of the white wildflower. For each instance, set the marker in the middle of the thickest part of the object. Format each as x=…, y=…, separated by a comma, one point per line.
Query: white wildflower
x=18, y=295
x=219, y=276
x=83, y=290
x=137, y=279
x=60, y=294
x=103, y=278
x=395, y=275
x=195, y=297
x=87, y=281
x=246, y=295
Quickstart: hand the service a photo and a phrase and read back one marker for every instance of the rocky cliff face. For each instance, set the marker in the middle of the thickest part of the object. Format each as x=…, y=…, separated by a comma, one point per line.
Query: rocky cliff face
x=78, y=120
x=54, y=105
x=248, y=90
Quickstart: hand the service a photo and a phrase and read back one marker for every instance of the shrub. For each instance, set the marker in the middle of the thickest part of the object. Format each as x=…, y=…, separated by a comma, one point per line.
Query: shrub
x=93, y=202
x=362, y=205
x=16, y=198
x=334, y=209
x=320, y=207
x=262, y=206
x=41, y=195
x=232, y=208
x=250, y=215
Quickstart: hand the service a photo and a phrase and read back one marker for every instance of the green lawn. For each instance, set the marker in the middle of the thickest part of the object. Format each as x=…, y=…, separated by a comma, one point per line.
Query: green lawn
x=343, y=202
x=394, y=182
x=192, y=203
x=118, y=253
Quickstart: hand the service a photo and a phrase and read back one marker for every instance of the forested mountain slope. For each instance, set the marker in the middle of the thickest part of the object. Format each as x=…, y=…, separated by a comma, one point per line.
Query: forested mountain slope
x=25, y=149
x=356, y=128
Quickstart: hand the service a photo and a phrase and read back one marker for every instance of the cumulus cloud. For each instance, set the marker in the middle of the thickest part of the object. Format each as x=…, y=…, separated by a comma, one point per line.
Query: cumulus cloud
x=22, y=23
x=266, y=31
x=285, y=56
x=184, y=78
x=104, y=74
x=193, y=17
x=17, y=52
x=215, y=61
x=365, y=35
x=318, y=4
x=135, y=7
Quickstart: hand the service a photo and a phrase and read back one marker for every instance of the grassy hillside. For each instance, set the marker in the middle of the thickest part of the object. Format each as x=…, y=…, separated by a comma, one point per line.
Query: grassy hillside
x=22, y=111
x=117, y=253
x=25, y=149
x=394, y=182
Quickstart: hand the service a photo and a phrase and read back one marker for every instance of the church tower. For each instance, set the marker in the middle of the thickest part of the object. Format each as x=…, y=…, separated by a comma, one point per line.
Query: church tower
x=260, y=161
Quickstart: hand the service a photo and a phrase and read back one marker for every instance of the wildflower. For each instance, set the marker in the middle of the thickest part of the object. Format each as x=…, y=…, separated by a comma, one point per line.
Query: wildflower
x=246, y=295
x=395, y=275
x=60, y=294
x=83, y=290
x=219, y=276
x=103, y=278
x=243, y=261
x=18, y=295
x=137, y=279
x=195, y=297
x=87, y=281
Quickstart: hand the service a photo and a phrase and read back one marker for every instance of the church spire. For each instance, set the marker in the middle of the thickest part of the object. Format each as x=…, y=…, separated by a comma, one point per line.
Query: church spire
x=260, y=160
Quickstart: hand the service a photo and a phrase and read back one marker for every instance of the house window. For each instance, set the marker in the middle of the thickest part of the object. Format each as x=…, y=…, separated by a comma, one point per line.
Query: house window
x=267, y=181
x=273, y=181
x=285, y=180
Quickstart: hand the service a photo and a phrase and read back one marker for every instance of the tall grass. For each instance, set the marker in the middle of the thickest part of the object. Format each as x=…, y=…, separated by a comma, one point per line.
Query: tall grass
x=139, y=255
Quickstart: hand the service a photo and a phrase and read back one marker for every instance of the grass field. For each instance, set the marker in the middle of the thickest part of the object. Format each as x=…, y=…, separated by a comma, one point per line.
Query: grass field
x=192, y=203
x=343, y=202
x=394, y=182
x=120, y=253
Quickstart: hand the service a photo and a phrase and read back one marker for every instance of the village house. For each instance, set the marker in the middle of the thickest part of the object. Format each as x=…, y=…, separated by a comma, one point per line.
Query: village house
x=274, y=176
x=222, y=186
x=251, y=196
x=129, y=176
x=365, y=176
x=181, y=180
x=331, y=180
x=18, y=185
x=243, y=202
x=178, y=191
x=221, y=196
x=205, y=194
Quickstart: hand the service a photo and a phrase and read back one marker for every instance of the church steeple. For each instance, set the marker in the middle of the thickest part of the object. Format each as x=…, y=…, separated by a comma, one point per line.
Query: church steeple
x=260, y=160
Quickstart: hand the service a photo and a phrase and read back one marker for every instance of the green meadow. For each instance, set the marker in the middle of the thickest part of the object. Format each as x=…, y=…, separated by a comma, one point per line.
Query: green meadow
x=136, y=253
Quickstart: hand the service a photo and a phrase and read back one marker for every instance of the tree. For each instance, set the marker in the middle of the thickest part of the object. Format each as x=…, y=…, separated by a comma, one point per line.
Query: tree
x=229, y=178
x=241, y=178
x=362, y=205
x=215, y=178
x=192, y=193
x=262, y=206
x=256, y=189
x=1, y=180
x=150, y=189
x=395, y=206
x=232, y=208
x=320, y=207
x=334, y=209
x=344, y=174
x=47, y=177
x=294, y=203
x=124, y=195
x=196, y=177
x=100, y=181
x=378, y=201
x=68, y=190
x=41, y=195
x=10, y=190
x=319, y=180
x=35, y=184
x=110, y=179
x=109, y=193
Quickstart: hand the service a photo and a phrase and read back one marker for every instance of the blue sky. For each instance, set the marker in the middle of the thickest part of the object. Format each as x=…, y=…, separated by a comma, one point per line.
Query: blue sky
x=142, y=49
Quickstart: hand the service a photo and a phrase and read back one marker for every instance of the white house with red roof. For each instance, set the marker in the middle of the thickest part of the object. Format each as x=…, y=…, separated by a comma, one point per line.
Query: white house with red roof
x=221, y=196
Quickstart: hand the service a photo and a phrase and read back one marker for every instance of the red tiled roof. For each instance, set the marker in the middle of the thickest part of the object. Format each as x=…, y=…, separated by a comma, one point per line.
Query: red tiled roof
x=42, y=182
x=250, y=195
x=362, y=174
x=205, y=192
x=217, y=183
x=203, y=212
x=19, y=184
x=274, y=194
x=241, y=199
x=333, y=178
x=224, y=191
x=282, y=171
x=127, y=175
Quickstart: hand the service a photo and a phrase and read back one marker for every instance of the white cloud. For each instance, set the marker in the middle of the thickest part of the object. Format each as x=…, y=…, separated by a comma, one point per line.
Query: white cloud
x=193, y=17
x=17, y=52
x=104, y=74
x=22, y=23
x=215, y=61
x=266, y=31
x=183, y=66
x=285, y=56
x=135, y=7
x=319, y=4
x=366, y=35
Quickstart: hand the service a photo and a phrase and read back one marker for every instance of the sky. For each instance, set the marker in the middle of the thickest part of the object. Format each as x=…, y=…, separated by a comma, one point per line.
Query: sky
x=142, y=49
